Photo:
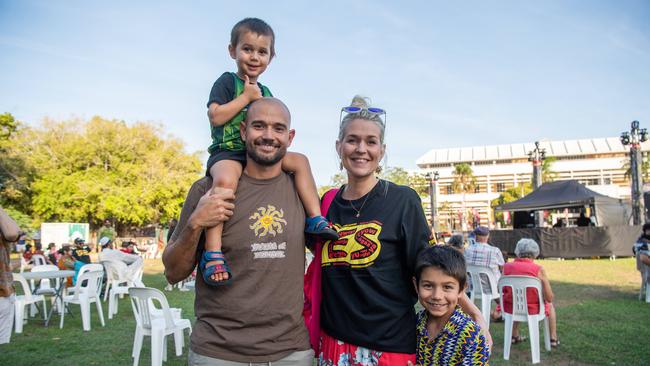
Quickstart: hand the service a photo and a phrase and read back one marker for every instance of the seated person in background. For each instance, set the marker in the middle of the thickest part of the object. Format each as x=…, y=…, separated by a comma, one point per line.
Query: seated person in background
x=128, y=247
x=445, y=334
x=457, y=242
x=53, y=254
x=39, y=251
x=66, y=261
x=134, y=262
x=526, y=251
x=81, y=251
x=27, y=254
x=481, y=253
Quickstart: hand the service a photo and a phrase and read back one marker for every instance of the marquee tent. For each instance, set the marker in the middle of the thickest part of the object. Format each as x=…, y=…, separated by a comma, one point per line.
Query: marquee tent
x=561, y=194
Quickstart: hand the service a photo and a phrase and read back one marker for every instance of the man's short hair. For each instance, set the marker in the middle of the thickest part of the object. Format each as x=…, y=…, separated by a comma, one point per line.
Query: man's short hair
x=456, y=241
x=445, y=258
x=254, y=25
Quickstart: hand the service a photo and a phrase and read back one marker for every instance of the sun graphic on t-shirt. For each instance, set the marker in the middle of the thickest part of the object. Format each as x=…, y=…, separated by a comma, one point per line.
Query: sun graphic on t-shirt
x=268, y=221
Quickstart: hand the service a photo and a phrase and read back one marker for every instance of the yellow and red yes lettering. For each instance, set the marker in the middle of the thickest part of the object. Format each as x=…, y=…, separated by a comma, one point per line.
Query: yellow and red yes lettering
x=358, y=245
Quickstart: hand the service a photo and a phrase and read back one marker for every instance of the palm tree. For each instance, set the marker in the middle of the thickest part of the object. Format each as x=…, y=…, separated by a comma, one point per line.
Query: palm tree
x=548, y=175
x=645, y=168
x=464, y=181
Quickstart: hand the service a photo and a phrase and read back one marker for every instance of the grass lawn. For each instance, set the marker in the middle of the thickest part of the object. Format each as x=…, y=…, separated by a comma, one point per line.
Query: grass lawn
x=600, y=322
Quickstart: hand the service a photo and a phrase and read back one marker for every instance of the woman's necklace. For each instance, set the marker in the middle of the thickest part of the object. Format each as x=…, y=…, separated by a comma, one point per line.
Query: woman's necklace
x=360, y=208
x=362, y=204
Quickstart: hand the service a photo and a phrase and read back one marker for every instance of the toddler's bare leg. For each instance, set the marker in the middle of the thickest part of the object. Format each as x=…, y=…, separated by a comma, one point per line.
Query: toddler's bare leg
x=225, y=174
x=298, y=164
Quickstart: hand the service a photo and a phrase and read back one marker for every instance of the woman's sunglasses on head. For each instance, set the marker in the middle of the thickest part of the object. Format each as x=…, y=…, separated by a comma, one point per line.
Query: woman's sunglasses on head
x=372, y=110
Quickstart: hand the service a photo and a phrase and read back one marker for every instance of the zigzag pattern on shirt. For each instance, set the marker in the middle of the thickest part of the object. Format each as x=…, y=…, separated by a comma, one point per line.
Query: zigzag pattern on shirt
x=459, y=343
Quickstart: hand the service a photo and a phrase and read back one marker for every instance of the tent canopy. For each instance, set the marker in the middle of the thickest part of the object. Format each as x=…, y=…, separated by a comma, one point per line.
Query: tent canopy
x=558, y=194
x=570, y=193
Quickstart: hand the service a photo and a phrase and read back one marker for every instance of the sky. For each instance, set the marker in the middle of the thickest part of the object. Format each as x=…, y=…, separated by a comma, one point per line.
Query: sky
x=448, y=73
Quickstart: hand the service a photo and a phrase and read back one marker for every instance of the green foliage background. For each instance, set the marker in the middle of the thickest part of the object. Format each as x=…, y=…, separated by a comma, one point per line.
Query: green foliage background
x=396, y=175
x=91, y=170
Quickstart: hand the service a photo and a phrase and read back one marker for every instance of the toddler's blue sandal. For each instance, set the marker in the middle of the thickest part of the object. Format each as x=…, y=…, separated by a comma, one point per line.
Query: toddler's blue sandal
x=319, y=226
x=208, y=271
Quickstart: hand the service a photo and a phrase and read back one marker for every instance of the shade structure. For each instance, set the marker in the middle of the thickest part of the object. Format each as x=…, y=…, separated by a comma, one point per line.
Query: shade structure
x=570, y=193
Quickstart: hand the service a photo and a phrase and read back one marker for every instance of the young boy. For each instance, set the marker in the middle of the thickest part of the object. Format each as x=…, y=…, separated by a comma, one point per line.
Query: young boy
x=252, y=46
x=445, y=334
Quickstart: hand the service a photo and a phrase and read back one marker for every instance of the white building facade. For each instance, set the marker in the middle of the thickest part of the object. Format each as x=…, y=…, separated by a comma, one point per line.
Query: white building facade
x=599, y=163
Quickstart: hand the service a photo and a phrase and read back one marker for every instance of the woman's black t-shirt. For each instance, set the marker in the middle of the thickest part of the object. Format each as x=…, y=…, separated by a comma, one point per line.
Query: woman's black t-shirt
x=367, y=287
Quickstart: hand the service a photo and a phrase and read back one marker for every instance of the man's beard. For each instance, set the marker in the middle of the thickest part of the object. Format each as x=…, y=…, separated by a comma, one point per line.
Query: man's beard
x=265, y=160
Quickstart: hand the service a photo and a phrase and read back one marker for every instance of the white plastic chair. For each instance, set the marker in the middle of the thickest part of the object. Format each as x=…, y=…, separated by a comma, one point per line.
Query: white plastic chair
x=152, y=251
x=519, y=284
x=118, y=284
x=38, y=260
x=157, y=323
x=644, y=291
x=478, y=292
x=86, y=291
x=24, y=264
x=23, y=300
x=85, y=268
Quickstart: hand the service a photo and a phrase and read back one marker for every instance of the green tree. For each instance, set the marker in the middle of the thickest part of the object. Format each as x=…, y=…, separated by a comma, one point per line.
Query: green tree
x=464, y=182
x=88, y=171
x=509, y=195
x=396, y=175
x=15, y=174
x=645, y=168
x=548, y=175
x=336, y=181
x=8, y=127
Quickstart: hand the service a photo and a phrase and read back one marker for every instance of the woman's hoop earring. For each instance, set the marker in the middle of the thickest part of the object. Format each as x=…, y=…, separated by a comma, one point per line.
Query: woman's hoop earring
x=340, y=165
x=379, y=169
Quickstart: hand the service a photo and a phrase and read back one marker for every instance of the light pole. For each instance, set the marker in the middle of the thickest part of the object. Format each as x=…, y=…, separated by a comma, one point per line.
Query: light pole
x=634, y=138
x=536, y=156
x=433, y=193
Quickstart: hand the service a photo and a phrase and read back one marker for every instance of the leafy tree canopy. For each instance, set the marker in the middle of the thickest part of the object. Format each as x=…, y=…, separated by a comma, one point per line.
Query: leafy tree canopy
x=88, y=171
x=464, y=180
x=396, y=175
x=8, y=126
x=548, y=175
x=509, y=195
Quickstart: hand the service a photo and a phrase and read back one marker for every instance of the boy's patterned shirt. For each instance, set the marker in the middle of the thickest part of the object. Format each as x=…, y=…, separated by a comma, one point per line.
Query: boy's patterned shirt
x=459, y=343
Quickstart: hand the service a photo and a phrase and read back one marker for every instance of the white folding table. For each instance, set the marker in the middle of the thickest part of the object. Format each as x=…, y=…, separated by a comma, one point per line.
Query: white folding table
x=37, y=276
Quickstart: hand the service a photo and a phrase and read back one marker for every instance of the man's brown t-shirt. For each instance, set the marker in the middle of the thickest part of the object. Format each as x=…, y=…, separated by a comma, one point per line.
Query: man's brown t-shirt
x=258, y=316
